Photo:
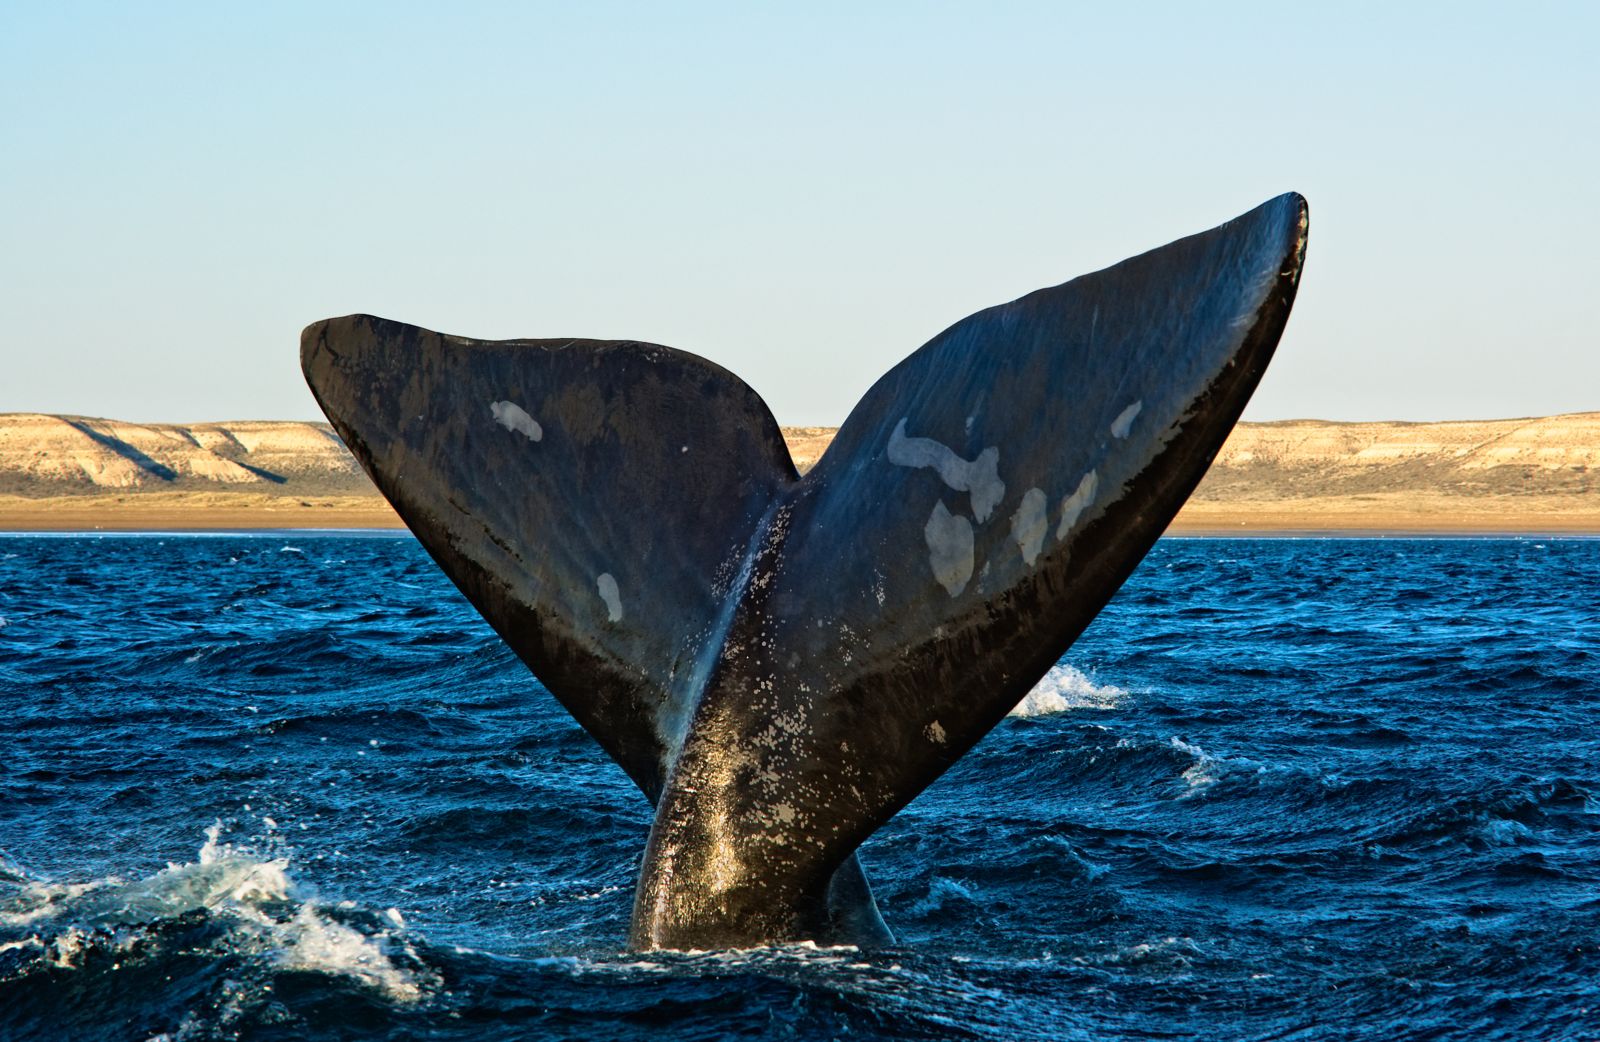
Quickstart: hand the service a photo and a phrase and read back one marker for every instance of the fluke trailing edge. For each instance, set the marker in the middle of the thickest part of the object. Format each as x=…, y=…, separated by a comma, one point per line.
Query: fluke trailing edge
x=782, y=663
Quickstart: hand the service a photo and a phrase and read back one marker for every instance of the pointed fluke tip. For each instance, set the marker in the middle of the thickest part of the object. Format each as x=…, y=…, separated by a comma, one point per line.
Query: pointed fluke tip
x=1296, y=218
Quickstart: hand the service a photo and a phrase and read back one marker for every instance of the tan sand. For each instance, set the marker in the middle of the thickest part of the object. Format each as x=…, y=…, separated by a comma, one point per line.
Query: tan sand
x=1393, y=513
x=1372, y=514
x=181, y=511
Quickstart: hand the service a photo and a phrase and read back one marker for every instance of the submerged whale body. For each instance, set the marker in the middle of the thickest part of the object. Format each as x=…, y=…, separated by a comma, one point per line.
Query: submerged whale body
x=782, y=663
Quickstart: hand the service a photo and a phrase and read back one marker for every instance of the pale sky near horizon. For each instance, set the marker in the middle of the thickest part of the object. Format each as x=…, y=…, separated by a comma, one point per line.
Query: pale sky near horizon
x=803, y=193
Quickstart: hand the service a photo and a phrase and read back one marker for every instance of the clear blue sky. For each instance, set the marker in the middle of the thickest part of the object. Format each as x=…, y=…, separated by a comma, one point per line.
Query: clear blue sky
x=804, y=193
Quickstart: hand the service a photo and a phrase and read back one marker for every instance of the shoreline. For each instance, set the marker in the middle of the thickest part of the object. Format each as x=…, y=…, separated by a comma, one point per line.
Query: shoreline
x=1420, y=514
x=1323, y=518
x=1380, y=533
x=1286, y=534
x=1538, y=476
x=196, y=512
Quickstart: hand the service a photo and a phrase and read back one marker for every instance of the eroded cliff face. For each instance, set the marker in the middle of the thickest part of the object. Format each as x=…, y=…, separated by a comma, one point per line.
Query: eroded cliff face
x=1294, y=459
x=46, y=456
x=43, y=456
x=807, y=444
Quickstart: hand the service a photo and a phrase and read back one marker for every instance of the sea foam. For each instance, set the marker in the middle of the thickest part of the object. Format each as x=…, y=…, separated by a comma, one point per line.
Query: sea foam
x=269, y=918
x=1064, y=688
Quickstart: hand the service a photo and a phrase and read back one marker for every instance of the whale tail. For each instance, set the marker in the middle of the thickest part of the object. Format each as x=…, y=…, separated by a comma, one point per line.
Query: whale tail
x=781, y=663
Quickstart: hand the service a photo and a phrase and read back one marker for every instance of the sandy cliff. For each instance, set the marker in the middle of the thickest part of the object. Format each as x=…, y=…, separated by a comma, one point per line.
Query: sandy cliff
x=1534, y=474
x=807, y=444
x=46, y=456
x=1551, y=455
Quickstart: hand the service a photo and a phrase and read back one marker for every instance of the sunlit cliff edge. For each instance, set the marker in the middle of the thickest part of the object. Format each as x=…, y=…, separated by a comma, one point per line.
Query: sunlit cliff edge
x=1536, y=475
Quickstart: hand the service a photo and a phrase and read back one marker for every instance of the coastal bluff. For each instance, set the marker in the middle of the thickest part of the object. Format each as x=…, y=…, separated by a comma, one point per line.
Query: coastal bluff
x=81, y=472
x=1538, y=475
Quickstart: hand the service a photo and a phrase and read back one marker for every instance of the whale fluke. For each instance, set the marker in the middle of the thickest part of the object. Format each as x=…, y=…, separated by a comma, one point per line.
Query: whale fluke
x=594, y=500
x=781, y=663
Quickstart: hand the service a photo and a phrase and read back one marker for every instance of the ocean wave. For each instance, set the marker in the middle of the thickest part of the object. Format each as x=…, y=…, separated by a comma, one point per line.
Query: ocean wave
x=943, y=892
x=1504, y=815
x=1065, y=688
x=1302, y=804
x=267, y=923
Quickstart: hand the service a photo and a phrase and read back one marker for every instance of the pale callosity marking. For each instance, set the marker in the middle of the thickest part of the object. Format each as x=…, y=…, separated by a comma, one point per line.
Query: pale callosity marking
x=1029, y=524
x=607, y=585
x=1124, y=421
x=950, y=548
x=980, y=477
x=1074, y=505
x=935, y=732
x=514, y=417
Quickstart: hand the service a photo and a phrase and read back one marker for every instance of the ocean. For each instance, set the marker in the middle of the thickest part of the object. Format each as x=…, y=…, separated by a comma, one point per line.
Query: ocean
x=289, y=785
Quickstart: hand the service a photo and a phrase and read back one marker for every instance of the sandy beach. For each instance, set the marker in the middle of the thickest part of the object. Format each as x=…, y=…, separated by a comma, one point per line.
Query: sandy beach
x=1394, y=514
x=191, y=511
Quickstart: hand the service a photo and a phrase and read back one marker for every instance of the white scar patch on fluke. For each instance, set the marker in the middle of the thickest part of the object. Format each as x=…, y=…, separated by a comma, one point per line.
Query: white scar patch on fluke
x=513, y=417
x=980, y=477
x=607, y=585
x=1124, y=421
x=1029, y=524
x=1074, y=505
x=949, y=539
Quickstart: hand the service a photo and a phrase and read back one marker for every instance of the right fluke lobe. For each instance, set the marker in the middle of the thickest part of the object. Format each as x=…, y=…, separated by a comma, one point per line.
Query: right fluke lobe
x=787, y=663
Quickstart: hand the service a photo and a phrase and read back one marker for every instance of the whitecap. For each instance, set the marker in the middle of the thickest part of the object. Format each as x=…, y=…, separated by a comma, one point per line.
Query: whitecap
x=1064, y=688
x=268, y=916
x=1206, y=769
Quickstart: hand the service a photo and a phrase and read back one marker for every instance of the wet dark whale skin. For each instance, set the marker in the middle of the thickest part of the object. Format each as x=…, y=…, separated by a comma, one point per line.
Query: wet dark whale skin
x=522, y=549
x=781, y=664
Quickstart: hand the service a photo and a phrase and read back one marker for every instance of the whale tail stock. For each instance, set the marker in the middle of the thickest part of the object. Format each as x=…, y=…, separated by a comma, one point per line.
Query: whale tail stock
x=782, y=663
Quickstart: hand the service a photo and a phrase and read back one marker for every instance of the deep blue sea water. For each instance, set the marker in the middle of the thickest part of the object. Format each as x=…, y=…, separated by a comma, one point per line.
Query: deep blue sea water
x=290, y=786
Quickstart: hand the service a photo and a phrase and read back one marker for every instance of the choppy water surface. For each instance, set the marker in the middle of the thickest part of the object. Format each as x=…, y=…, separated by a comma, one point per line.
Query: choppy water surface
x=291, y=786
